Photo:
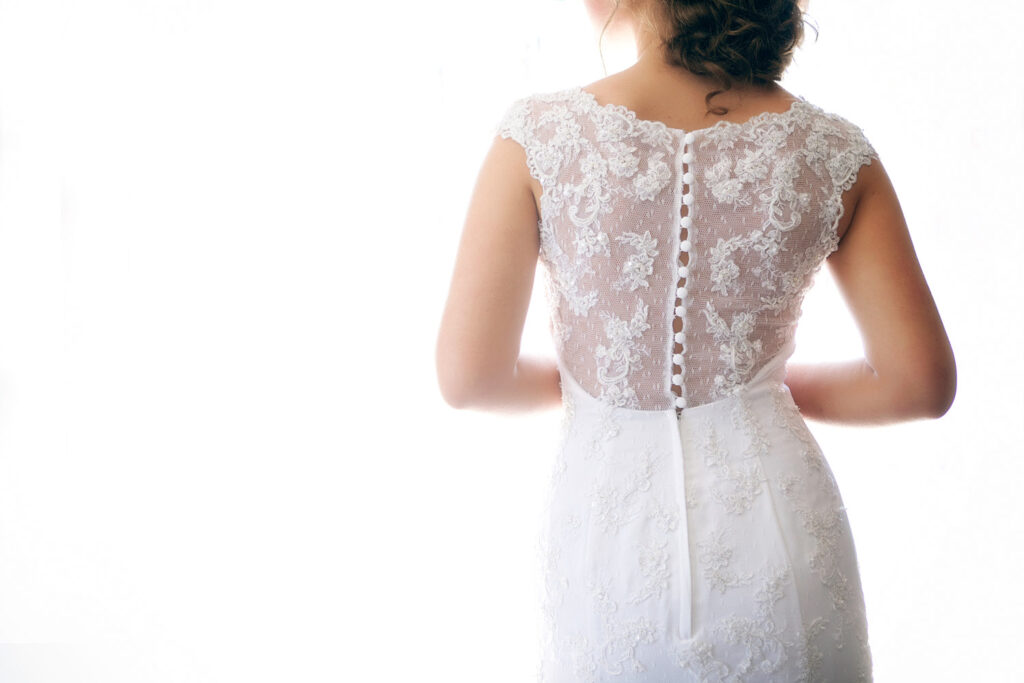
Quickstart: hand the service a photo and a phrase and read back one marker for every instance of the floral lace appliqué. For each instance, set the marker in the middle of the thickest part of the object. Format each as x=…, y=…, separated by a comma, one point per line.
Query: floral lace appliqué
x=737, y=485
x=640, y=264
x=621, y=356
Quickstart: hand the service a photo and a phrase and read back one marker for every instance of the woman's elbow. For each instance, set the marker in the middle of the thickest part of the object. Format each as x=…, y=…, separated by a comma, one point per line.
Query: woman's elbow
x=935, y=390
x=945, y=393
x=460, y=381
x=451, y=394
x=455, y=389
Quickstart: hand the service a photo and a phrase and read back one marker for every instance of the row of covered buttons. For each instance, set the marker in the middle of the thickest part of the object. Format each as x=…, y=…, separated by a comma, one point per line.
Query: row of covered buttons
x=684, y=272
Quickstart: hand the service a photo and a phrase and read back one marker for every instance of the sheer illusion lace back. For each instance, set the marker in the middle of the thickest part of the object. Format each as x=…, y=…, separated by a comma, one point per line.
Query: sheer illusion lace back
x=676, y=261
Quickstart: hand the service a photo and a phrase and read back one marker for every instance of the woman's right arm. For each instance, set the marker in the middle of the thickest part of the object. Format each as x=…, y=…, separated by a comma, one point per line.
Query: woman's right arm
x=908, y=371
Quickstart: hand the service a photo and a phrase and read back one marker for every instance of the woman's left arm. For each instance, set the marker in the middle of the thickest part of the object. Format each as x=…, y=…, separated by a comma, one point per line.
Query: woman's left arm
x=477, y=353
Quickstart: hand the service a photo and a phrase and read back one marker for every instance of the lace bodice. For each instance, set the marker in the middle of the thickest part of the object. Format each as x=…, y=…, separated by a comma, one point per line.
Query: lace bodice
x=676, y=261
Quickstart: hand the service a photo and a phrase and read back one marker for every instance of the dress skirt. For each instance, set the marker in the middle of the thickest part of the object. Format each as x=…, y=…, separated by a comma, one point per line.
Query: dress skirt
x=709, y=545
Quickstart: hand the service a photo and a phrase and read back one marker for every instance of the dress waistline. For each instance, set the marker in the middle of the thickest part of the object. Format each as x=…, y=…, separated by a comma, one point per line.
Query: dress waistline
x=768, y=379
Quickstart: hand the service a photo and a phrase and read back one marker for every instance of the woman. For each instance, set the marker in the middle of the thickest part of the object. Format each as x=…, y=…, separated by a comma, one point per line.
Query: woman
x=681, y=209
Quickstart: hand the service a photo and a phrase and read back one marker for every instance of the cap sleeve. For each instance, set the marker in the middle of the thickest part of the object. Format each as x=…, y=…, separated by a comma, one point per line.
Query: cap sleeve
x=852, y=151
x=516, y=123
x=527, y=121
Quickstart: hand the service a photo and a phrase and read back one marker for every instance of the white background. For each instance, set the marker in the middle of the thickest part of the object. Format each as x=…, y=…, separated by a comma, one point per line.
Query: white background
x=226, y=236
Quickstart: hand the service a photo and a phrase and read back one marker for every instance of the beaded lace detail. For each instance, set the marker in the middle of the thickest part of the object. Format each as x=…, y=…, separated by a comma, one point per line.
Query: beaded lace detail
x=675, y=262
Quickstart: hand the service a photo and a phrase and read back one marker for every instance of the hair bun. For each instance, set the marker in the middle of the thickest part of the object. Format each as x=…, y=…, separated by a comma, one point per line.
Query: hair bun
x=750, y=41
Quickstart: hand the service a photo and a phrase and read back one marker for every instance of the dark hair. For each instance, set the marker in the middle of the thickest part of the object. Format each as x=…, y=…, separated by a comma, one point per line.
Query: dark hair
x=749, y=41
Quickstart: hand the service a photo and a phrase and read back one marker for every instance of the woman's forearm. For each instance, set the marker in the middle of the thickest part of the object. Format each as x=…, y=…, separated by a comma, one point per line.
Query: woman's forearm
x=534, y=384
x=851, y=392
x=848, y=392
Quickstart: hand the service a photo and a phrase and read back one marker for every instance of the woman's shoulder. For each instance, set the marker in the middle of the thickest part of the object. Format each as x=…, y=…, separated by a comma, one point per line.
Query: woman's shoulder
x=538, y=100
x=524, y=114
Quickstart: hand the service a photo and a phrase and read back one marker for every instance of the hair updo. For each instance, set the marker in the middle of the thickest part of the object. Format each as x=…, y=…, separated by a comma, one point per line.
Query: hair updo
x=745, y=41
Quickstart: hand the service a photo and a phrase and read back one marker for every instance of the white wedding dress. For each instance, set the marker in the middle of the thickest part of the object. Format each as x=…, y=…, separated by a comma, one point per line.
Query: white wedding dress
x=694, y=530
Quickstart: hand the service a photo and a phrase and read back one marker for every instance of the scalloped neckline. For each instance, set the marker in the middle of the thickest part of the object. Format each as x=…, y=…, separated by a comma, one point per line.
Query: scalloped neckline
x=764, y=116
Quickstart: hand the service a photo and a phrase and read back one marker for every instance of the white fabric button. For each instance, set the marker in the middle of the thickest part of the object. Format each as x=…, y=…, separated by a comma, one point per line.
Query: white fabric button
x=686, y=222
x=683, y=271
x=687, y=177
x=679, y=337
x=688, y=199
x=684, y=245
x=681, y=291
x=677, y=379
x=680, y=402
x=677, y=359
x=688, y=138
x=688, y=157
x=680, y=311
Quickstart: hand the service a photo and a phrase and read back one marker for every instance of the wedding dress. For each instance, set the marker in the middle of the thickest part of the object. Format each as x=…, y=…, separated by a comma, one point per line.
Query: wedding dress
x=693, y=529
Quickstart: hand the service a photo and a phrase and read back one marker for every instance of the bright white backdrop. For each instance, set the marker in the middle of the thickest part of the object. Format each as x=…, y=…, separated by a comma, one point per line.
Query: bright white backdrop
x=226, y=233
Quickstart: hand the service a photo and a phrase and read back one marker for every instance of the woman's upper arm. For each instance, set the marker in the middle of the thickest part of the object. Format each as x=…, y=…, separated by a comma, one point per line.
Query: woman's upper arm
x=491, y=285
x=878, y=273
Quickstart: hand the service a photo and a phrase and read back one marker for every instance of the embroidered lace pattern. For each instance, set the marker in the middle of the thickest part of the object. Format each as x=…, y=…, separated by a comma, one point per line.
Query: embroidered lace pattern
x=676, y=261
